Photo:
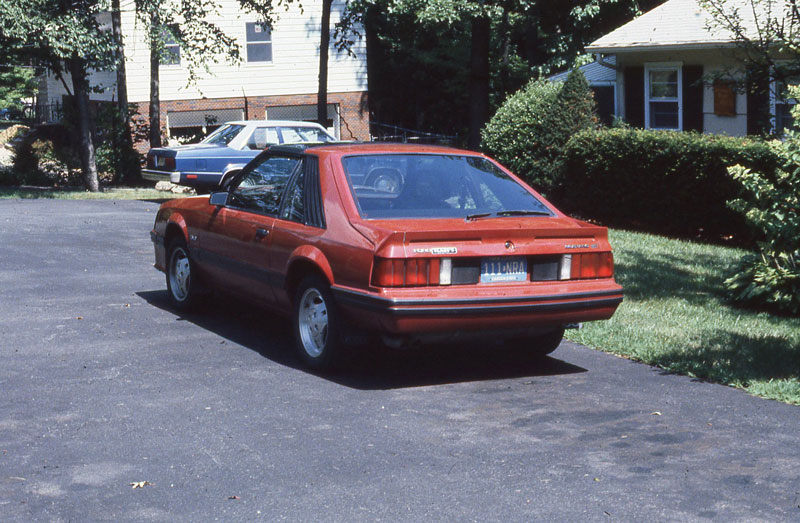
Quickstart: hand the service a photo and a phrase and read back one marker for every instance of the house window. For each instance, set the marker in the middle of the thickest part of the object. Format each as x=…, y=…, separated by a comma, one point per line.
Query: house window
x=172, y=49
x=663, y=106
x=259, y=42
x=782, y=106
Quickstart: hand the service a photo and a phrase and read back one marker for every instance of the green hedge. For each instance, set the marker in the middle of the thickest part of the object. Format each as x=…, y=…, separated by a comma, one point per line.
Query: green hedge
x=529, y=131
x=660, y=181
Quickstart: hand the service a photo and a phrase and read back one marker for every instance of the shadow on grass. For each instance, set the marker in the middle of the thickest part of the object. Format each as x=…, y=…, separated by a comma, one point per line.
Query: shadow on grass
x=734, y=358
x=367, y=367
x=655, y=275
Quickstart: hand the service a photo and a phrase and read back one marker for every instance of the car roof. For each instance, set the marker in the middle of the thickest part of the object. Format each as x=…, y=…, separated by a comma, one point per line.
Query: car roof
x=346, y=148
x=276, y=123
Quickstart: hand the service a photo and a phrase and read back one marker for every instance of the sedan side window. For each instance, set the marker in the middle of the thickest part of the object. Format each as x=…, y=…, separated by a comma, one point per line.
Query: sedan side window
x=261, y=137
x=261, y=187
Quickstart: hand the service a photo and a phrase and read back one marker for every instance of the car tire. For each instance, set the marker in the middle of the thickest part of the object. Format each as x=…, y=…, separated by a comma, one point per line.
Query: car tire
x=540, y=345
x=316, y=324
x=182, y=284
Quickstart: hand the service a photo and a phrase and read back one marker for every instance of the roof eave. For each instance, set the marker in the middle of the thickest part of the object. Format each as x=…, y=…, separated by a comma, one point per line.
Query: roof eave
x=689, y=46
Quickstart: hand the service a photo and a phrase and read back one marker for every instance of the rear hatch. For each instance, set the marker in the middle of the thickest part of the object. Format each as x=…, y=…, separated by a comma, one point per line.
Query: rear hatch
x=493, y=250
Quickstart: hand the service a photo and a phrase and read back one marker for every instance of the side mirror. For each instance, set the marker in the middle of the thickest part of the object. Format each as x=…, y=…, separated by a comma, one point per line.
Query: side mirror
x=220, y=199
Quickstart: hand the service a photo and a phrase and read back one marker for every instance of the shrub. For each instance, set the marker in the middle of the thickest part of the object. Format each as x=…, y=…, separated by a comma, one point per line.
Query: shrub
x=529, y=131
x=46, y=157
x=660, y=181
x=770, y=277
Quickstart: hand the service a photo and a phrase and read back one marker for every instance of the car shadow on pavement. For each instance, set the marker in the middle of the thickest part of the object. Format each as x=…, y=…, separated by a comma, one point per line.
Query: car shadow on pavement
x=367, y=367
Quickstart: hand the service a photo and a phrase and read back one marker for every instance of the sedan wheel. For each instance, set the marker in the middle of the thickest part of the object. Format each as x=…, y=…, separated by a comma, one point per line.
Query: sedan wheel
x=316, y=323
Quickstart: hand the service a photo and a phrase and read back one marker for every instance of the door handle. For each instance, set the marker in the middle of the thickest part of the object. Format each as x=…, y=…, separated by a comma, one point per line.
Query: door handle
x=261, y=233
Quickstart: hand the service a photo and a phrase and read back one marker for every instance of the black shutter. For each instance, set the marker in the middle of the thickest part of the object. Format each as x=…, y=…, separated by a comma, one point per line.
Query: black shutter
x=693, y=98
x=758, y=105
x=634, y=95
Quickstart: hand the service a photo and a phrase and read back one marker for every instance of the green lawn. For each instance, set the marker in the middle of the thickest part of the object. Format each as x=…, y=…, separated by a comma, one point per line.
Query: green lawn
x=79, y=194
x=676, y=316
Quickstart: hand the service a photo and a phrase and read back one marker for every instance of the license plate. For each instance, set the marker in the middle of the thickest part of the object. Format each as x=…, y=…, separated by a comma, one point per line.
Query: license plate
x=504, y=269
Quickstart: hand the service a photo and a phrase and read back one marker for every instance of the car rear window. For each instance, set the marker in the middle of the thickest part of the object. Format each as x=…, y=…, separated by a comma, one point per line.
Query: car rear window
x=224, y=134
x=435, y=186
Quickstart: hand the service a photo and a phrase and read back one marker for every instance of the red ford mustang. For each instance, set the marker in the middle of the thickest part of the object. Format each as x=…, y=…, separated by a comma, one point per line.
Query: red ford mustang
x=410, y=243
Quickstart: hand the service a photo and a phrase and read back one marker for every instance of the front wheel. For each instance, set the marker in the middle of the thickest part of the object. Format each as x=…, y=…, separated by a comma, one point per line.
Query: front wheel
x=316, y=324
x=181, y=280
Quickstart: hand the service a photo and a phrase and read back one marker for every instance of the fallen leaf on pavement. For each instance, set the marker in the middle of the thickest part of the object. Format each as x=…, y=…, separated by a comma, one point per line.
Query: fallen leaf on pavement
x=656, y=413
x=140, y=484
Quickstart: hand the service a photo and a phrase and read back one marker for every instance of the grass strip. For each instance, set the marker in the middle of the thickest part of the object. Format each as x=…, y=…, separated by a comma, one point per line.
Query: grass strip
x=676, y=316
x=26, y=193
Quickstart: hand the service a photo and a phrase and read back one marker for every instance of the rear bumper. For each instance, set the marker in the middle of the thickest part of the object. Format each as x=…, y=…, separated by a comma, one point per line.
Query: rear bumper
x=155, y=176
x=464, y=313
x=190, y=179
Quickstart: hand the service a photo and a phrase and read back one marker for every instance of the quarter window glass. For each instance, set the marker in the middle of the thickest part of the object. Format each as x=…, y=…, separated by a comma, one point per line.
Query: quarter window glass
x=259, y=42
x=303, y=134
x=294, y=209
x=262, y=186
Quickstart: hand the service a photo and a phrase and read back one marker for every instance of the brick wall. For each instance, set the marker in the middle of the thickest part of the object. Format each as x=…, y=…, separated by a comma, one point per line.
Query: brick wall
x=352, y=106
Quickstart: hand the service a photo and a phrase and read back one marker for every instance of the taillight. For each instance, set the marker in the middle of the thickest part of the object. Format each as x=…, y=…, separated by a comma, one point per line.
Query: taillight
x=592, y=265
x=163, y=163
x=413, y=272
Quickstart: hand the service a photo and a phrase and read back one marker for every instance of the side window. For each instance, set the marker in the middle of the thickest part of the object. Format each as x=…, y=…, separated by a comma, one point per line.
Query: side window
x=261, y=187
x=261, y=137
x=294, y=209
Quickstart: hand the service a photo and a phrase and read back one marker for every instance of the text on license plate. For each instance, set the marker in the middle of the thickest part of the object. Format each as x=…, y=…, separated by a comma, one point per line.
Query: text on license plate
x=504, y=269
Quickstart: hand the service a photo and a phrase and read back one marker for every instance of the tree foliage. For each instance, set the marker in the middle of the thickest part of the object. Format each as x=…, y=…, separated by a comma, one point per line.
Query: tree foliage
x=530, y=130
x=770, y=277
x=16, y=83
x=427, y=44
x=63, y=36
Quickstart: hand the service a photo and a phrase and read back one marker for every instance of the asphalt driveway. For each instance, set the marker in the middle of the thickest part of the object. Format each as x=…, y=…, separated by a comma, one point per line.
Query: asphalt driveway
x=103, y=386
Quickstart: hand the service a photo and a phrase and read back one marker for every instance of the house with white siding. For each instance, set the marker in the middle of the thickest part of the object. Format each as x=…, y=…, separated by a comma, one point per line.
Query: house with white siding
x=277, y=77
x=673, y=68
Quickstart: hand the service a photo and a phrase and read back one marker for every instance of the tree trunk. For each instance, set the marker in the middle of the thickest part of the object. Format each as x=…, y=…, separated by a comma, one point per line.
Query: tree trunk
x=155, y=63
x=80, y=88
x=479, y=80
x=128, y=171
x=324, y=45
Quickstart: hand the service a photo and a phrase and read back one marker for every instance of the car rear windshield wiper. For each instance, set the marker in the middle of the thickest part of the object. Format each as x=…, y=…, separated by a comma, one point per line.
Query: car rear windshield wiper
x=471, y=217
x=506, y=213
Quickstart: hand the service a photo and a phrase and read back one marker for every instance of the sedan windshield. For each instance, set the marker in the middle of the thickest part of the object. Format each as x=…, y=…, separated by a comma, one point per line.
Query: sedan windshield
x=224, y=134
x=436, y=186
